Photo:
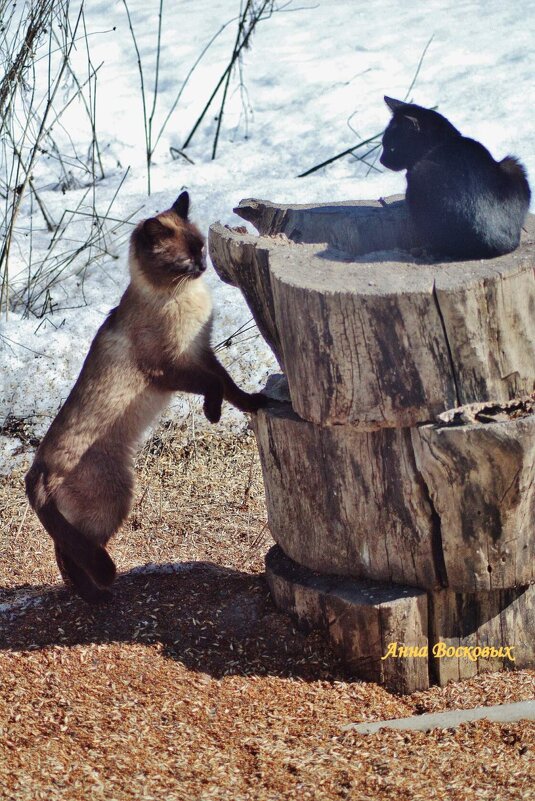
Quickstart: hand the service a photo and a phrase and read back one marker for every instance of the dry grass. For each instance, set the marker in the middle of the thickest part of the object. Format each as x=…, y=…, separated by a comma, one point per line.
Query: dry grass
x=192, y=686
x=198, y=499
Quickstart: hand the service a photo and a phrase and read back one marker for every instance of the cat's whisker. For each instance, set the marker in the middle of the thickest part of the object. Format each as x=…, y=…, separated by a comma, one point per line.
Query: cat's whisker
x=179, y=283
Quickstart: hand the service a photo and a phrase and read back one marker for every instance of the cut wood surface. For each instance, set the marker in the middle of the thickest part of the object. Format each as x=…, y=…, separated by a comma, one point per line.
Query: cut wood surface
x=361, y=619
x=481, y=479
x=355, y=226
x=380, y=338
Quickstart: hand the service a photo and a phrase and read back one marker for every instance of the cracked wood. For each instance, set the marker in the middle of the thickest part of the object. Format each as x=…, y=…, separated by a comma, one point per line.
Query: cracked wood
x=347, y=502
x=368, y=333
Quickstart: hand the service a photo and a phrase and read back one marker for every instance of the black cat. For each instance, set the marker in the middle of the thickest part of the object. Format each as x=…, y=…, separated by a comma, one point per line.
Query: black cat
x=462, y=202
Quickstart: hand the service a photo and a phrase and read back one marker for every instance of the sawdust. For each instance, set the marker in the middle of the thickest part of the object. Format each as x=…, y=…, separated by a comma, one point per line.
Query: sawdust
x=191, y=685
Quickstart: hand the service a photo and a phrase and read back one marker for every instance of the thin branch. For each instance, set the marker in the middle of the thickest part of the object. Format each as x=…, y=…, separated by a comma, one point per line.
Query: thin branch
x=340, y=155
x=241, y=26
x=188, y=76
x=420, y=62
x=351, y=150
x=49, y=222
x=236, y=54
x=143, y=93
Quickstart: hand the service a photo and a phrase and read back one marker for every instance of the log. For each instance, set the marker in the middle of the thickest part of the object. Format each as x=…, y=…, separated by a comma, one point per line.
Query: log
x=345, y=502
x=380, y=339
x=360, y=619
x=232, y=249
x=401, y=462
x=479, y=466
x=444, y=505
x=401, y=637
x=496, y=620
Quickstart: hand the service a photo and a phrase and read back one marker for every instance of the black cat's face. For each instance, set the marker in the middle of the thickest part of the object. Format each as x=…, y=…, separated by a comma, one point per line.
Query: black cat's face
x=400, y=143
x=411, y=133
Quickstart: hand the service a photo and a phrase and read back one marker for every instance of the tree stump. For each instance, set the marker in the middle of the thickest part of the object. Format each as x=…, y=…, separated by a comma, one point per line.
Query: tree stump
x=405, y=450
x=383, y=338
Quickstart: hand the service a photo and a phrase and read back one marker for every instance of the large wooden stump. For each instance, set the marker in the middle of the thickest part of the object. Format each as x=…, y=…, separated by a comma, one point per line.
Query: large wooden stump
x=383, y=338
x=361, y=618
x=347, y=502
x=478, y=464
x=402, y=637
x=405, y=450
x=450, y=504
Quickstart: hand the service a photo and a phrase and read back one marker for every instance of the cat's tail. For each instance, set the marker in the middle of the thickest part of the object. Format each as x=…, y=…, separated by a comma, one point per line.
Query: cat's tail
x=90, y=557
x=516, y=173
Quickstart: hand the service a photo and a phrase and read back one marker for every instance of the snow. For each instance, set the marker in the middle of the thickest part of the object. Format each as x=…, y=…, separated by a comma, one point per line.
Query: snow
x=313, y=81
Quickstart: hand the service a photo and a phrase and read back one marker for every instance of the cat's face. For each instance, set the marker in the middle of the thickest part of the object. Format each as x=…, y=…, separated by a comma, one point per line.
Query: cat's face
x=169, y=249
x=399, y=144
x=411, y=133
x=402, y=138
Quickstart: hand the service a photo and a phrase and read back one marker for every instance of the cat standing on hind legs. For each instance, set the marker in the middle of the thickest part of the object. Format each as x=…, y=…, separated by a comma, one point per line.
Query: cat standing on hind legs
x=463, y=203
x=156, y=342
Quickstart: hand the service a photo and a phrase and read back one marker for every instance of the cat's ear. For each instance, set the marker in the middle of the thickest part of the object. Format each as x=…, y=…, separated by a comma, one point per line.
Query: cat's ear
x=181, y=205
x=394, y=105
x=414, y=121
x=400, y=107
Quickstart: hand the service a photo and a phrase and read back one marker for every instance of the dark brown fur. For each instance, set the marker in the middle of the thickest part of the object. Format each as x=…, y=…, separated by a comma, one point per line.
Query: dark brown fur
x=157, y=341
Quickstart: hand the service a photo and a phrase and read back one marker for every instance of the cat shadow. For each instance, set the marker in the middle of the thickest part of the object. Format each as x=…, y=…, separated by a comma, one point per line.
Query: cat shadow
x=360, y=233
x=393, y=255
x=212, y=619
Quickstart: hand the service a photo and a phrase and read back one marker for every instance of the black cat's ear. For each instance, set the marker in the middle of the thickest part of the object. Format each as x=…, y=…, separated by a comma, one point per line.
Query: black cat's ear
x=413, y=121
x=394, y=105
x=181, y=205
x=400, y=106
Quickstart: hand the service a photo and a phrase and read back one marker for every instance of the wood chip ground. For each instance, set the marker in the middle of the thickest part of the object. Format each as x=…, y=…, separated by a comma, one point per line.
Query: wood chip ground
x=191, y=686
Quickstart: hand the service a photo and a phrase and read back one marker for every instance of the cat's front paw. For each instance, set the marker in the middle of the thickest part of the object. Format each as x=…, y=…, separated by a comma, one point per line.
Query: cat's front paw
x=256, y=401
x=212, y=409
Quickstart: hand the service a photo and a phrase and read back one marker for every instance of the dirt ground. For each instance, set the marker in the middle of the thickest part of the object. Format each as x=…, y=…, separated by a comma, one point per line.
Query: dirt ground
x=190, y=685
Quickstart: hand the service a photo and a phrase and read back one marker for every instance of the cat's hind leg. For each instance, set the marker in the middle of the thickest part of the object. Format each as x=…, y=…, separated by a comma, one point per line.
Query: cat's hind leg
x=77, y=579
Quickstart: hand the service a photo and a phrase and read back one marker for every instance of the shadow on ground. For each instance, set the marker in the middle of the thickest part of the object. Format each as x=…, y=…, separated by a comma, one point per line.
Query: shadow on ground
x=210, y=618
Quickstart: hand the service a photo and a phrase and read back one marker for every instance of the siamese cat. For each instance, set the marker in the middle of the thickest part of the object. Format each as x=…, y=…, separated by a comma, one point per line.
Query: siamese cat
x=156, y=342
x=463, y=203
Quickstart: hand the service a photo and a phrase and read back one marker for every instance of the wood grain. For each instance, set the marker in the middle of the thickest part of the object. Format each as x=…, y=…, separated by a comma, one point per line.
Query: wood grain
x=360, y=618
x=369, y=333
x=481, y=480
x=346, y=502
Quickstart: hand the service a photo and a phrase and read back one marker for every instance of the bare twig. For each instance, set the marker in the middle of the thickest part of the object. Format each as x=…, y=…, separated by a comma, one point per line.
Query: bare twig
x=188, y=76
x=339, y=155
x=52, y=90
x=239, y=35
x=148, y=117
x=373, y=139
x=49, y=222
x=30, y=121
x=175, y=153
x=257, y=16
x=420, y=62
